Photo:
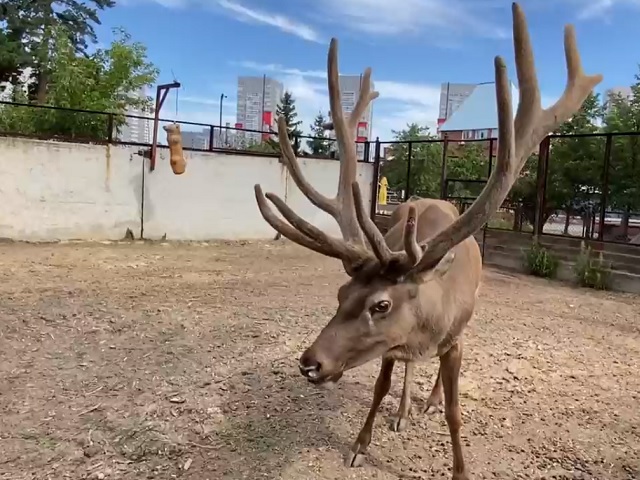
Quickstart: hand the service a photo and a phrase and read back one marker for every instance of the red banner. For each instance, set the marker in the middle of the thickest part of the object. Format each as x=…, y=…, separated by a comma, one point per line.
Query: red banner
x=266, y=124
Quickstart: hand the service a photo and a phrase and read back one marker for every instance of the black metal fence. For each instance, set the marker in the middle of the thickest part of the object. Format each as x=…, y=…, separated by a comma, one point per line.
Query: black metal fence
x=582, y=186
x=69, y=124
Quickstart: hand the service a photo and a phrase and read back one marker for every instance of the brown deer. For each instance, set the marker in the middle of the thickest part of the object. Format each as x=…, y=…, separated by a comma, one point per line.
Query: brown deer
x=412, y=291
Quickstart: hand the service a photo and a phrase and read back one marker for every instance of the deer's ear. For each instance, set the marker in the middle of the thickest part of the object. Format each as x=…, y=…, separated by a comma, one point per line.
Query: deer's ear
x=440, y=269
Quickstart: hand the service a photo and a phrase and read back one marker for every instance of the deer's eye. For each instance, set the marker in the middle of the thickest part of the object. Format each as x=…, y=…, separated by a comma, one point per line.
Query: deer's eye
x=382, y=307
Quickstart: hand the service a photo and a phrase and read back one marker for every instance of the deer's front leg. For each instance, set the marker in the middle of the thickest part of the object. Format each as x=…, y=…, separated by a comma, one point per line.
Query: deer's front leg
x=383, y=384
x=400, y=421
x=450, y=371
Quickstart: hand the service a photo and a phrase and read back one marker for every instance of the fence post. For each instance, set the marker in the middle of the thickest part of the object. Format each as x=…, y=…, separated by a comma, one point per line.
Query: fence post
x=408, y=182
x=367, y=152
x=110, y=127
x=443, y=170
x=211, y=137
x=604, y=196
x=541, y=185
x=490, y=157
x=376, y=179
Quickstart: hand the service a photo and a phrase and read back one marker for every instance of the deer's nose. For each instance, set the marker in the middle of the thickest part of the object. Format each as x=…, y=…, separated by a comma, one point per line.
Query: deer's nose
x=310, y=370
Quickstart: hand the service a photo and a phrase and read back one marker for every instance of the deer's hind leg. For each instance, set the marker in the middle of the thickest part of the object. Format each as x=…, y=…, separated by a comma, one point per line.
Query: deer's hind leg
x=436, y=397
x=401, y=419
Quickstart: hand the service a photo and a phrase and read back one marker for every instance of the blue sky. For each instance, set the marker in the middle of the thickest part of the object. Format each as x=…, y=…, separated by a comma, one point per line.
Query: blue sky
x=411, y=45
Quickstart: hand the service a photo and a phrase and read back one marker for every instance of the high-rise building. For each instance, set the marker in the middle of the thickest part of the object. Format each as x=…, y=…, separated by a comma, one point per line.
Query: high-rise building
x=452, y=95
x=624, y=92
x=258, y=99
x=349, y=91
x=136, y=130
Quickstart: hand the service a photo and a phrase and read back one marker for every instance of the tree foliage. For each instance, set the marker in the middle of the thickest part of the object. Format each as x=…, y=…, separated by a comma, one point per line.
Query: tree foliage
x=574, y=171
x=624, y=172
x=107, y=81
x=319, y=144
x=29, y=30
x=287, y=109
x=416, y=144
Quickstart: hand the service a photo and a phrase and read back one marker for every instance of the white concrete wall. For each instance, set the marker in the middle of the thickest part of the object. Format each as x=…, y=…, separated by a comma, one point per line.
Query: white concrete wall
x=57, y=191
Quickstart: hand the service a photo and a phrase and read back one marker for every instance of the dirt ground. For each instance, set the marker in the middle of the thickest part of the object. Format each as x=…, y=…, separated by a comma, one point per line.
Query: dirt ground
x=132, y=361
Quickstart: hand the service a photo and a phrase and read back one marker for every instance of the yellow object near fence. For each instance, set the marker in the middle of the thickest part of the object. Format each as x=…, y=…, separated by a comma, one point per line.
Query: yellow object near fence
x=382, y=191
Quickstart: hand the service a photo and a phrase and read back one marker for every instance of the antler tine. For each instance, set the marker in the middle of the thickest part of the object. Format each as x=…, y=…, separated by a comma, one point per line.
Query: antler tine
x=365, y=97
x=411, y=246
x=517, y=139
x=346, y=145
x=380, y=248
x=287, y=230
x=329, y=205
x=302, y=232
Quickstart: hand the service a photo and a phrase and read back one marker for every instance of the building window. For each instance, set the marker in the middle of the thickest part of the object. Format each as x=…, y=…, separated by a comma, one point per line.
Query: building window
x=468, y=135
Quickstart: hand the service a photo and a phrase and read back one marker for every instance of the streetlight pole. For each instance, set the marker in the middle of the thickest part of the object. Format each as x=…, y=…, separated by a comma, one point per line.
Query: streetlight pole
x=222, y=97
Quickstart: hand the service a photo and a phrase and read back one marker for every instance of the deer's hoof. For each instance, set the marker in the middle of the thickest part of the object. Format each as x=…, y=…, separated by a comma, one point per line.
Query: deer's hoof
x=431, y=408
x=353, y=460
x=460, y=476
x=399, y=424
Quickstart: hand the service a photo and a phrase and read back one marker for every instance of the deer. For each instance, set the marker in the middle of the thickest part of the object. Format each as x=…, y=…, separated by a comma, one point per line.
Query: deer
x=411, y=292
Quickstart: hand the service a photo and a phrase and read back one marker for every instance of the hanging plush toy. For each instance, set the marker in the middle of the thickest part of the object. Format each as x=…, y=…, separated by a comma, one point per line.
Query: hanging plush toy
x=176, y=157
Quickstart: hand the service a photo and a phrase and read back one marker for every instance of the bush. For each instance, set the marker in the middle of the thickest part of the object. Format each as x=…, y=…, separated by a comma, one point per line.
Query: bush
x=591, y=271
x=540, y=262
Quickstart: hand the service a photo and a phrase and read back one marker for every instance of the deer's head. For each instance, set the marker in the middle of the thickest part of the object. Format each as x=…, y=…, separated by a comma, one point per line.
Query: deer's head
x=390, y=292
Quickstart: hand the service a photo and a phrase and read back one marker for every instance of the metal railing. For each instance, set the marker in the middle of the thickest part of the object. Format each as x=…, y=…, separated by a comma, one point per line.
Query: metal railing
x=78, y=125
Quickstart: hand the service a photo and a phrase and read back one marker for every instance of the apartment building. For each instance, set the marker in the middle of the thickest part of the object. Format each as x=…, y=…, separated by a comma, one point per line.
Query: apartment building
x=350, y=90
x=258, y=99
x=624, y=92
x=476, y=118
x=137, y=130
x=452, y=95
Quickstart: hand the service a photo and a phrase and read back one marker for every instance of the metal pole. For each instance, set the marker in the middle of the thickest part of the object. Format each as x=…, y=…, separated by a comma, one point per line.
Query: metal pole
x=490, y=157
x=408, y=182
x=376, y=180
x=541, y=185
x=222, y=97
x=161, y=95
x=604, y=196
x=443, y=171
x=264, y=91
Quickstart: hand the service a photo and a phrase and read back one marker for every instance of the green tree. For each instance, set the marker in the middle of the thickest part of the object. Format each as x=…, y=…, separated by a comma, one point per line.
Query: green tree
x=426, y=161
x=624, y=171
x=29, y=30
x=107, y=80
x=470, y=162
x=267, y=146
x=574, y=171
x=319, y=144
x=287, y=109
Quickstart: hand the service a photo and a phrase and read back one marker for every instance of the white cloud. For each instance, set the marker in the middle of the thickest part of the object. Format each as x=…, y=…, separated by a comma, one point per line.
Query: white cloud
x=599, y=10
x=277, y=68
x=384, y=17
x=280, y=22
